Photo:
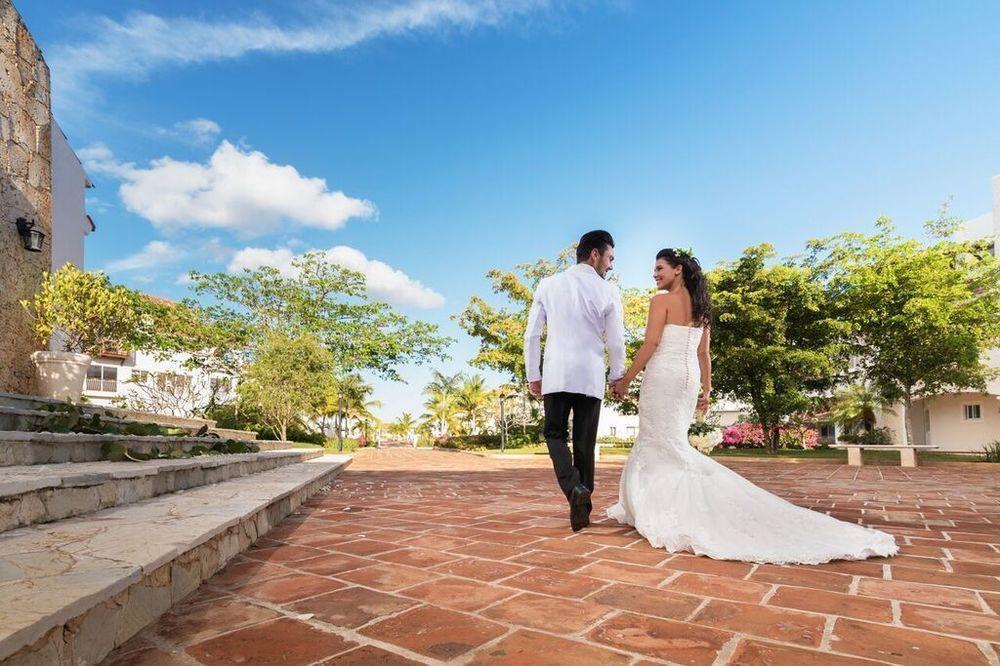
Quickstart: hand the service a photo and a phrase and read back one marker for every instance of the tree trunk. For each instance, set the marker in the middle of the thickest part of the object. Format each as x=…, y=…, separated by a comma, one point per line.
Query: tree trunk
x=283, y=429
x=908, y=416
x=775, y=432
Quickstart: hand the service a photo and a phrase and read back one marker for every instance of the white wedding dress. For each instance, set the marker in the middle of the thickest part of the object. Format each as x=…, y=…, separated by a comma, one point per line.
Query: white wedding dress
x=682, y=500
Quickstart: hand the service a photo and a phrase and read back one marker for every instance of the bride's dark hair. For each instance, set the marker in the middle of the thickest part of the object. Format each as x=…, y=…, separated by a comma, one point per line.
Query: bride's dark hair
x=694, y=280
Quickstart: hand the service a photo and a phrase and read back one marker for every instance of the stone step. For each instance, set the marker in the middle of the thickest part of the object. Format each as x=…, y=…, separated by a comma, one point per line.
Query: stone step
x=44, y=493
x=17, y=401
x=74, y=590
x=40, y=448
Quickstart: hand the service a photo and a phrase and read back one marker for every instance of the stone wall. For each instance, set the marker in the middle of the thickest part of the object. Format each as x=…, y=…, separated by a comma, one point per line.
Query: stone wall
x=25, y=190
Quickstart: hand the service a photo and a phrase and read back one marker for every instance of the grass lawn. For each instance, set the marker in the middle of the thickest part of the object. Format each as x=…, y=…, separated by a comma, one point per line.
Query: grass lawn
x=834, y=454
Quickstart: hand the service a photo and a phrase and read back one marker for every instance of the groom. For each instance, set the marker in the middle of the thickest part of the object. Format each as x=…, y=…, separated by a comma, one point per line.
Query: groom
x=581, y=311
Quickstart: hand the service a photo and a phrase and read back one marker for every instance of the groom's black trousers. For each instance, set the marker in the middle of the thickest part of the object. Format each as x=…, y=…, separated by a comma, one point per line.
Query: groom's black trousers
x=586, y=410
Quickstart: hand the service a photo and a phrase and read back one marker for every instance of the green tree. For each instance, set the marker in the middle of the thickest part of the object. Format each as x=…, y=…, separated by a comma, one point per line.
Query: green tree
x=287, y=380
x=402, y=426
x=922, y=314
x=775, y=341
x=472, y=400
x=326, y=300
x=441, y=414
x=87, y=314
x=858, y=403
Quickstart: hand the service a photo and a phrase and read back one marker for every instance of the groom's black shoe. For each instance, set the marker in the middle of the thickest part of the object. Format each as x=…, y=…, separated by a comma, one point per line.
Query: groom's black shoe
x=579, y=507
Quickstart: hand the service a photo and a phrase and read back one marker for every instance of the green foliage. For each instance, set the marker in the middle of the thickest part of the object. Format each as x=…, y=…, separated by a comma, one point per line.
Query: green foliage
x=921, y=314
x=287, y=380
x=776, y=341
x=119, y=452
x=89, y=313
x=875, y=436
x=991, y=452
x=698, y=428
x=858, y=403
x=70, y=418
x=324, y=300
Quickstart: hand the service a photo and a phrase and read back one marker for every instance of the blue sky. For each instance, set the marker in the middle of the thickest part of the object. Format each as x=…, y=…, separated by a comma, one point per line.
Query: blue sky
x=467, y=134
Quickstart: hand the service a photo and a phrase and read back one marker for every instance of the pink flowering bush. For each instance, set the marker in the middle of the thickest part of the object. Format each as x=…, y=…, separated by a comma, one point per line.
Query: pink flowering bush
x=748, y=435
x=743, y=435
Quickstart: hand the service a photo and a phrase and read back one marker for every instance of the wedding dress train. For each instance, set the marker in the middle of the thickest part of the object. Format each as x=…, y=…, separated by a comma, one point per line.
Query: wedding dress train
x=682, y=500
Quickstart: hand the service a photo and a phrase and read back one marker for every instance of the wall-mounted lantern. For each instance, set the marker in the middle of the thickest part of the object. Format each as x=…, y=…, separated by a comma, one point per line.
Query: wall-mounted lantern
x=32, y=238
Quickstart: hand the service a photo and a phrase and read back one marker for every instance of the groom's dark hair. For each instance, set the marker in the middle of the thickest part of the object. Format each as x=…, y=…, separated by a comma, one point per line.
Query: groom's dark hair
x=598, y=240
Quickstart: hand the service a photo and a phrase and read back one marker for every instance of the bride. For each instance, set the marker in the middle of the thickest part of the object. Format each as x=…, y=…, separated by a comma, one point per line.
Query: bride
x=682, y=500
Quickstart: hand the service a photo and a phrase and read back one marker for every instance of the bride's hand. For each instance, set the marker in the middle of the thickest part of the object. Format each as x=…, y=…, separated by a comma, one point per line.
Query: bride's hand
x=620, y=388
x=703, y=402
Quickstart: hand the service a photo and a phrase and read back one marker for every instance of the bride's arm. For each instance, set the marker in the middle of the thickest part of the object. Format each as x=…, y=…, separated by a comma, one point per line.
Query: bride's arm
x=705, y=363
x=655, y=322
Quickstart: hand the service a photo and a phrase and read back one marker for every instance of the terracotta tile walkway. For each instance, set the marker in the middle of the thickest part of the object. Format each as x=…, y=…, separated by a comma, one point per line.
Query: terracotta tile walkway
x=429, y=557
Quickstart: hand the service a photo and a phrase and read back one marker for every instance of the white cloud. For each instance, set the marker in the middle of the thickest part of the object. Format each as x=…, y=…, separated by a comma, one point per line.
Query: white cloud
x=142, y=43
x=237, y=189
x=155, y=253
x=385, y=283
x=198, y=131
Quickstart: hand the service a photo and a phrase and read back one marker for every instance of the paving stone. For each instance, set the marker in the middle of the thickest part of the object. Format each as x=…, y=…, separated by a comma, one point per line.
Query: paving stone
x=920, y=593
x=719, y=586
x=290, y=588
x=803, y=577
x=368, y=655
x=458, y=593
x=677, y=642
x=846, y=605
x=901, y=646
x=960, y=623
x=915, y=575
x=283, y=641
x=435, y=632
x=430, y=502
x=759, y=653
x=187, y=624
x=626, y=573
x=650, y=601
x=364, y=547
x=352, y=607
x=283, y=553
x=556, y=583
x=528, y=647
x=560, y=616
x=776, y=624
x=485, y=570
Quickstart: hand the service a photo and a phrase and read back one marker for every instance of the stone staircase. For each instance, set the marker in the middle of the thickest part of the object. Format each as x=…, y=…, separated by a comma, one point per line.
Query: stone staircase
x=92, y=551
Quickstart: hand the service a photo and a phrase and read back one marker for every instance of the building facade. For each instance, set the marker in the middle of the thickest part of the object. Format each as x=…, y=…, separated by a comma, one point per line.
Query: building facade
x=25, y=192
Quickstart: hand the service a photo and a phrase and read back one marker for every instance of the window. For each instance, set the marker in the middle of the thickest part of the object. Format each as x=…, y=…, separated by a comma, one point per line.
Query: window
x=972, y=412
x=827, y=430
x=140, y=376
x=613, y=431
x=632, y=431
x=172, y=382
x=103, y=378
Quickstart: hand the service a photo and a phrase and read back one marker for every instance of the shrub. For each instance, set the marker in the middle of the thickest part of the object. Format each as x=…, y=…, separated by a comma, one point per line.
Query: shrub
x=992, y=451
x=744, y=435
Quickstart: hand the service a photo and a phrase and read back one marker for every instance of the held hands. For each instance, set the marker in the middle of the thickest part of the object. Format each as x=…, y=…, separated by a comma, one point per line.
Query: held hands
x=619, y=388
x=535, y=389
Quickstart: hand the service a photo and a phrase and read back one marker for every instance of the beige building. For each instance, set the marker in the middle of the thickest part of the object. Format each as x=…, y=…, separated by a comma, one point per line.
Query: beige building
x=25, y=192
x=964, y=421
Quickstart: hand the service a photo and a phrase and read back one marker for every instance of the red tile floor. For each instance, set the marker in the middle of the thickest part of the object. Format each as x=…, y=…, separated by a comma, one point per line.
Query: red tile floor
x=430, y=557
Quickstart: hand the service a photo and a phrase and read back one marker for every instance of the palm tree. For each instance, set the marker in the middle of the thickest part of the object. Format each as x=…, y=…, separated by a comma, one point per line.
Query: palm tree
x=403, y=426
x=472, y=400
x=858, y=403
x=443, y=384
x=442, y=414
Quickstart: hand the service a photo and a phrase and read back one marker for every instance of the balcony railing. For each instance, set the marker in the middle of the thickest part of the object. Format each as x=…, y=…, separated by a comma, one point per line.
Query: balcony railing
x=102, y=385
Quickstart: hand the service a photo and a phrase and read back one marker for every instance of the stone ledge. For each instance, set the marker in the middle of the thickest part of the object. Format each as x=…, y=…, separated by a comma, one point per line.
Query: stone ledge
x=76, y=589
x=43, y=493
x=39, y=448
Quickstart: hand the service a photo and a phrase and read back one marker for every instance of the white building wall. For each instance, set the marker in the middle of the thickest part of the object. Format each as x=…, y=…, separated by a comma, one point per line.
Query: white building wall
x=69, y=215
x=191, y=402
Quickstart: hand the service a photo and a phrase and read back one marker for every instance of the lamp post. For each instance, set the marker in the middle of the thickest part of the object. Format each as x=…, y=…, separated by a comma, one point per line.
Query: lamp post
x=31, y=238
x=341, y=407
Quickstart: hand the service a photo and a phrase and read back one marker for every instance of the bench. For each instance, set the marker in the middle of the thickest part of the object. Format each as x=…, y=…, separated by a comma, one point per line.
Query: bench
x=907, y=454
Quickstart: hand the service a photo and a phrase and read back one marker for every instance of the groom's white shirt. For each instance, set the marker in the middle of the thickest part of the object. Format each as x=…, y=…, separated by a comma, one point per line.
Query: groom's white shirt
x=581, y=310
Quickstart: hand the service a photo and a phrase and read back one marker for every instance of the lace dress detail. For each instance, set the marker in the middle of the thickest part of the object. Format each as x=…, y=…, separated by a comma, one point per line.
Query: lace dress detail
x=682, y=500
